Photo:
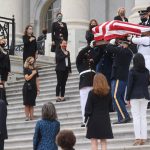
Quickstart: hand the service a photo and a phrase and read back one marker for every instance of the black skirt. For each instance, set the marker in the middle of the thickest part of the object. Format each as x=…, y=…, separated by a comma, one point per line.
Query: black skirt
x=99, y=127
x=29, y=94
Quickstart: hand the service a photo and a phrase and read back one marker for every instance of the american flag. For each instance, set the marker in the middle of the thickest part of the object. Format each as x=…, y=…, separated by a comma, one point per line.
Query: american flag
x=116, y=29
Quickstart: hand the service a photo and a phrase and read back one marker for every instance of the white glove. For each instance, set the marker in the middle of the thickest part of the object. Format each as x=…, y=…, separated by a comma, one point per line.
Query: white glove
x=130, y=37
x=92, y=44
x=112, y=41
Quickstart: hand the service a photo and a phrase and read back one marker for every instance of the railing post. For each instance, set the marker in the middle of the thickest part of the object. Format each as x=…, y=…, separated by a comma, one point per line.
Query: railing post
x=12, y=49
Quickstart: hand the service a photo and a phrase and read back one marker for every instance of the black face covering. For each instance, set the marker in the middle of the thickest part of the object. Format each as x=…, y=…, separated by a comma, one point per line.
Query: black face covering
x=92, y=26
x=143, y=19
x=2, y=45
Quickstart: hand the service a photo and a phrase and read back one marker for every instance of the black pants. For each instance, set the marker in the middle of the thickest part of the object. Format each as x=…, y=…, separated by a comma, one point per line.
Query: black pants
x=62, y=77
x=1, y=144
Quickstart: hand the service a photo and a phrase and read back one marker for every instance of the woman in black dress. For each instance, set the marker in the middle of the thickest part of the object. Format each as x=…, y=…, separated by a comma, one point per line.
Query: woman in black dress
x=63, y=68
x=97, y=113
x=4, y=62
x=30, y=45
x=30, y=87
x=89, y=34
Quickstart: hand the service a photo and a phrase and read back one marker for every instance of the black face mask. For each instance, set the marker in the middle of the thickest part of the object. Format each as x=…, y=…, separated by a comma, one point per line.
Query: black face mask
x=143, y=19
x=92, y=26
x=2, y=45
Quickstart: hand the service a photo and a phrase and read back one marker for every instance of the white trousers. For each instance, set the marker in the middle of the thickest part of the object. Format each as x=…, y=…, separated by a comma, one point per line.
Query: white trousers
x=139, y=114
x=83, y=99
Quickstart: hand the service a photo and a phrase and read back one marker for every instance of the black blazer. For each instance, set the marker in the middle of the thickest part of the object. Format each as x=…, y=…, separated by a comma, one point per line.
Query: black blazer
x=57, y=30
x=119, y=18
x=3, y=116
x=60, y=61
x=138, y=82
x=121, y=62
x=30, y=48
x=89, y=36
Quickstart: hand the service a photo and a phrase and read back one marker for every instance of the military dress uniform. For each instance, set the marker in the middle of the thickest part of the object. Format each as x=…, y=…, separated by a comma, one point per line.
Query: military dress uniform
x=86, y=65
x=119, y=76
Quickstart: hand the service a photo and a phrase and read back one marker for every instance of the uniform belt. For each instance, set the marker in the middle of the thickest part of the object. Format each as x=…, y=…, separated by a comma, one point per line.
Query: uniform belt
x=86, y=71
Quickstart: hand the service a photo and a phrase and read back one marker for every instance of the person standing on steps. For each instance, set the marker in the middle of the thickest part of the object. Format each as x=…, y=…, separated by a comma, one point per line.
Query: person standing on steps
x=63, y=68
x=119, y=75
x=46, y=129
x=143, y=44
x=89, y=34
x=86, y=66
x=59, y=32
x=121, y=15
x=3, y=117
x=97, y=113
x=30, y=88
x=138, y=97
x=30, y=45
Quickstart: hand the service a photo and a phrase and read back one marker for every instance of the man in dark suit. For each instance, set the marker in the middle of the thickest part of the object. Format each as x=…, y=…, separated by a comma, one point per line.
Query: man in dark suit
x=59, y=32
x=86, y=65
x=3, y=116
x=121, y=15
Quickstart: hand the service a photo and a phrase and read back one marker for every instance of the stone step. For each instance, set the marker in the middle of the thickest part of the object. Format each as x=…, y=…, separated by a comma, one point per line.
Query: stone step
x=42, y=78
x=43, y=84
x=43, y=89
x=69, y=91
x=80, y=138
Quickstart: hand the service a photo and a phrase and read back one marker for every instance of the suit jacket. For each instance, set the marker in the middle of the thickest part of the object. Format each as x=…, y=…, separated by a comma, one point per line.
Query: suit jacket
x=61, y=62
x=119, y=18
x=57, y=30
x=89, y=36
x=138, y=82
x=3, y=116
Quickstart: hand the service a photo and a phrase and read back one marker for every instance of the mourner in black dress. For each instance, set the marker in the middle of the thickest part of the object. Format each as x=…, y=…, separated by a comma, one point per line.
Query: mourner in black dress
x=86, y=65
x=4, y=62
x=89, y=34
x=30, y=87
x=63, y=68
x=59, y=32
x=121, y=15
x=97, y=112
x=3, y=117
x=30, y=45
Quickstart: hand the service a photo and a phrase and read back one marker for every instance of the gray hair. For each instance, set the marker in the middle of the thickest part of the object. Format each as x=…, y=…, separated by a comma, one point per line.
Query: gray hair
x=49, y=111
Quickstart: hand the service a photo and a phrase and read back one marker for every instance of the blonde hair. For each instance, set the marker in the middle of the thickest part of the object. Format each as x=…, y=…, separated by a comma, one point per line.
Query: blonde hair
x=27, y=64
x=119, y=9
x=100, y=85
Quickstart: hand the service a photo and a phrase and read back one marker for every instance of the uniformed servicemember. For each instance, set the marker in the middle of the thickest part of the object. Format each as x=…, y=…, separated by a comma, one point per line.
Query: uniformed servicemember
x=119, y=76
x=86, y=65
x=143, y=46
x=145, y=17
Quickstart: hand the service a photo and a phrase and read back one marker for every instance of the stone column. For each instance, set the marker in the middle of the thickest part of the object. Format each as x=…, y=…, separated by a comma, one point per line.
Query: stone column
x=19, y=8
x=76, y=14
x=139, y=5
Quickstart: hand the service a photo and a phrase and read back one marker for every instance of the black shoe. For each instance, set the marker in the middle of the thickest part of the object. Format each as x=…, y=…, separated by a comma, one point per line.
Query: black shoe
x=127, y=120
x=82, y=125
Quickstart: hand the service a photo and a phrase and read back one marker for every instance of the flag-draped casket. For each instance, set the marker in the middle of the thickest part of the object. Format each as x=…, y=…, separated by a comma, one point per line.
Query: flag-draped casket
x=116, y=29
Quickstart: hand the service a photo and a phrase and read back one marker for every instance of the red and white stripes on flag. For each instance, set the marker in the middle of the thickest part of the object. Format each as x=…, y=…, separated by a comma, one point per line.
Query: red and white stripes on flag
x=116, y=29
